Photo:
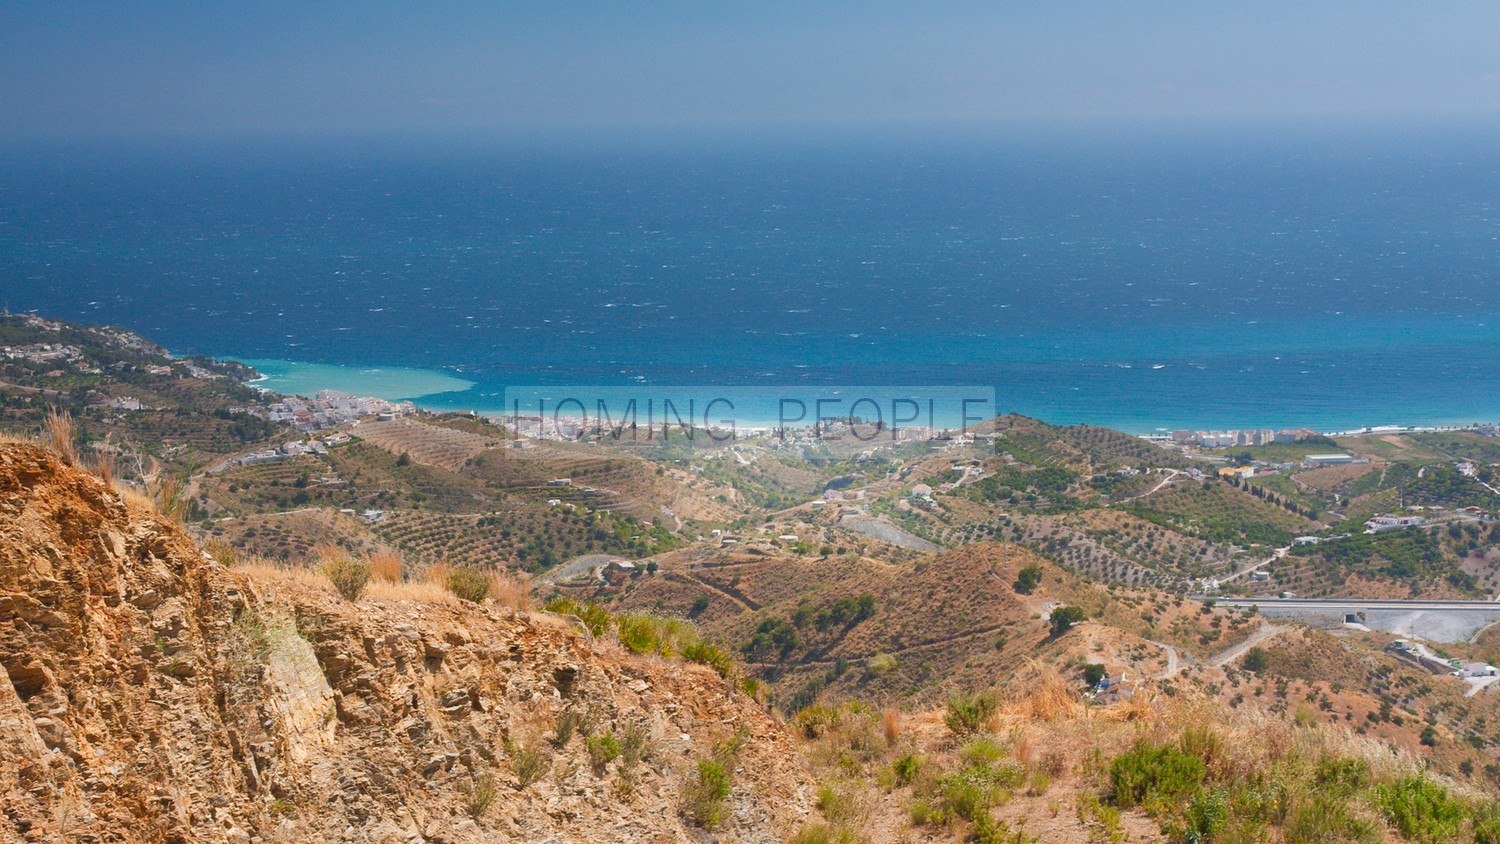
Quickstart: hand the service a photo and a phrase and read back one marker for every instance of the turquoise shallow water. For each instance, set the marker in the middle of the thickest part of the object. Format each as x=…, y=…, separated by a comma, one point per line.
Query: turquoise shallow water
x=393, y=383
x=1205, y=279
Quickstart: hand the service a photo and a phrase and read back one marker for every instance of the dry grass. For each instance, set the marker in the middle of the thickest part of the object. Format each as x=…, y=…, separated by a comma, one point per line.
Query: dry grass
x=437, y=574
x=263, y=569
x=512, y=591
x=63, y=435
x=324, y=553
x=890, y=723
x=386, y=566
x=1041, y=694
x=104, y=463
x=259, y=568
x=419, y=591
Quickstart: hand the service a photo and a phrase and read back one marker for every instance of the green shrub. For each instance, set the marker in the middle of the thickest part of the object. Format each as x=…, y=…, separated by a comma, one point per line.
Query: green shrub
x=529, y=764
x=823, y=833
x=924, y=813
x=347, y=574
x=635, y=745
x=1207, y=815
x=968, y=714
x=481, y=795
x=602, y=750
x=814, y=720
x=1487, y=825
x=1028, y=579
x=1325, y=818
x=1157, y=777
x=974, y=790
x=594, y=617
x=982, y=751
x=1102, y=815
x=639, y=634
x=468, y=584
x=1421, y=809
x=1257, y=659
x=1063, y=619
x=705, y=795
x=702, y=652
x=987, y=830
x=1343, y=775
x=907, y=767
x=840, y=805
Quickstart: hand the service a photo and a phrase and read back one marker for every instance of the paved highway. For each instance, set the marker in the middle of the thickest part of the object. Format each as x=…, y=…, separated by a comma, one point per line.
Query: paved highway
x=1355, y=604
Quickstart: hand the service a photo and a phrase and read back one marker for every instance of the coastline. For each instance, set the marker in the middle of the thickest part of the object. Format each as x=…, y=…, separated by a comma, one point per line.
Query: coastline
x=444, y=391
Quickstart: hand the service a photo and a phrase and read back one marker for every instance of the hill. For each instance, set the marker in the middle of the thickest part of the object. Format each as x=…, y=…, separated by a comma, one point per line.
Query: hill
x=152, y=694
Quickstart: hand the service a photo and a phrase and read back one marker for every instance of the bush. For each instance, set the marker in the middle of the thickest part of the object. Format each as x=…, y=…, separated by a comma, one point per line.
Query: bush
x=987, y=830
x=702, y=652
x=706, y=794
x=907, y=768
x=840, y=805
x=602, y=750
x=972, y=791
x=468, y=584
x=1327, y=819
x=968, y=714
x=529, y=764
x=634, y=746
x=1207, y=816
x=1421, y=809
x=481, y=795
x=1094, y=674
x=348, y=575
x=1028, y=579
x=1063, y=619
x=639, y=634
x=1257, y=659
x=1157, y=777
x=981, y=750
x=594, y=617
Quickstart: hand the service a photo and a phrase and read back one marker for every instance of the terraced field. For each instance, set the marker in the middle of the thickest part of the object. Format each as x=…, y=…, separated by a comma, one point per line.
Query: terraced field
x=1218, y=512
x=433, y=445
x=291, y=536
x=527, y=537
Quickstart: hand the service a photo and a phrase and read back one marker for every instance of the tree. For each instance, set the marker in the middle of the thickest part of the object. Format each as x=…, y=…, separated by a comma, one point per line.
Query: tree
x=1093, y=674
x=1028, y=579
x=1257, y=660
x=1063, y=619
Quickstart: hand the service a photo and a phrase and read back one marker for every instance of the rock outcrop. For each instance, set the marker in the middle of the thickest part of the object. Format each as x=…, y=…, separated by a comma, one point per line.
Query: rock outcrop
x=151, y=694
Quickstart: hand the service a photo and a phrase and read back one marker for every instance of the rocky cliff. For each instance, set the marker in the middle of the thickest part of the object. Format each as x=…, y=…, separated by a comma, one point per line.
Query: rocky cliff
x=151, y=694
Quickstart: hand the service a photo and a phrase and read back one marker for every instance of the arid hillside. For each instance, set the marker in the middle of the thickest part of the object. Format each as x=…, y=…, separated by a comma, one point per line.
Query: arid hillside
x=151, y=694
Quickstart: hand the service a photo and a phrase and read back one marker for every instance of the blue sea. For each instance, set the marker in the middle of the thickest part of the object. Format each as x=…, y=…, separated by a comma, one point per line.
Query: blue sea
x=1139, y=277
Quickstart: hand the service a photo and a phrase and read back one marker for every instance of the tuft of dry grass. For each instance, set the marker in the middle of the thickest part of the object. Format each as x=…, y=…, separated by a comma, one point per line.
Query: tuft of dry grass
x=437, y=574
x=890, y=723
x=386, y=566
x=410, y=590
x=104, y=463
x=512, y=591
x=1044, y=696
x=63, y=434
x=263, y=569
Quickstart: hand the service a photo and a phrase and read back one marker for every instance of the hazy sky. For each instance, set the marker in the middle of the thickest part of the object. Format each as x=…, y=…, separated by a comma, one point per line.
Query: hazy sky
x=91, y=68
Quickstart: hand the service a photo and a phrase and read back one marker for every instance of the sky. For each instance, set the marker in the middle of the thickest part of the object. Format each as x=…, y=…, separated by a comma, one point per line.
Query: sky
x=97, y=70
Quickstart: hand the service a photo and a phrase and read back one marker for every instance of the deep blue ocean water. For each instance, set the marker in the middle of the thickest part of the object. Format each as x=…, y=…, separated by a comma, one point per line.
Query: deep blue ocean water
x=1196, y=278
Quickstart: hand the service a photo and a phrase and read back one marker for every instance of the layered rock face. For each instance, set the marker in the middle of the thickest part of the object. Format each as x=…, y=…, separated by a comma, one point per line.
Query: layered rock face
x=151, y=694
